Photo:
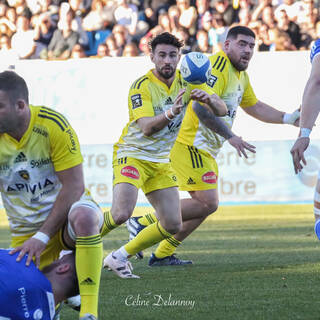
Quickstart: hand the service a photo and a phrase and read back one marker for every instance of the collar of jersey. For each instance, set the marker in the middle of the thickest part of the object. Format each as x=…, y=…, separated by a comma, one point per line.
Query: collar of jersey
x=153, y=78
x=21, y=143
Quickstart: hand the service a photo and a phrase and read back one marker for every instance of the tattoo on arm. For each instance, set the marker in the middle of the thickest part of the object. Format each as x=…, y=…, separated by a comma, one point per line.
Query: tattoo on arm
x=211, y=121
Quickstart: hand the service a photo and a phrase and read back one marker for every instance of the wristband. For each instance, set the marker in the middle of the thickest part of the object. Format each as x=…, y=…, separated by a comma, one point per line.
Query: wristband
x=42, y=237
x=305, y=132
x=290, y=118
x=166, y=115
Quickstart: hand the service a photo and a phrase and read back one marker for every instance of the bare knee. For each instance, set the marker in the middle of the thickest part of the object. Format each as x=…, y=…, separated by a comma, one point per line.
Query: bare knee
x=85, y=221
x=121, y=216
x=173, y=227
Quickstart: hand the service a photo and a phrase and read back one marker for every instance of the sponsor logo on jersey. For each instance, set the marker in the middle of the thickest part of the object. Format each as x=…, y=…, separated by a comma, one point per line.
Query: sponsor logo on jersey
x=168, y=101
x=38, y=314
x=20, y=158
x=190, y=181
x=29, y=187
x=24, y=174
x=23, y=301
x=130, y=172
x=212, y=81
x=174, y=178
x=209, y=177
x=40, y=163
x=136, y=101
x=40, y=131
x=73, y=147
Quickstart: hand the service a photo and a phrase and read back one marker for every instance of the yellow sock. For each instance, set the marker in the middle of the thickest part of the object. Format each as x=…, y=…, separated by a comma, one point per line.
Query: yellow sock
x=146, y=238
x=148, y=219
x=108, y=223
x=88, y=265
x=167, y=247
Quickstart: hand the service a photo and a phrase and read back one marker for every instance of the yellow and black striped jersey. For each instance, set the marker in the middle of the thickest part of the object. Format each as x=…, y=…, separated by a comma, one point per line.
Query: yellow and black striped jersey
x=149, y=97
x=28, y=181
x=234, y=88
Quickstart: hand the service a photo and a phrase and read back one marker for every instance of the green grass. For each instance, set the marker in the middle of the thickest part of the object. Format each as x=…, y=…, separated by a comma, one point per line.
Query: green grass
x=250, y=262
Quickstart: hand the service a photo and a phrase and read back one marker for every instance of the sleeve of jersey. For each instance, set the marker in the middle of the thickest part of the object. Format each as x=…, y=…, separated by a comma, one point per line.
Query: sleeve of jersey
x=65, y=148
x=249, y=99
x=140, y=103
x=315, y=50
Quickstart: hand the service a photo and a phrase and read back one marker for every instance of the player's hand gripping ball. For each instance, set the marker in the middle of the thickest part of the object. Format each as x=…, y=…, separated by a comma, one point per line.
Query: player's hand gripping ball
x=195, y=68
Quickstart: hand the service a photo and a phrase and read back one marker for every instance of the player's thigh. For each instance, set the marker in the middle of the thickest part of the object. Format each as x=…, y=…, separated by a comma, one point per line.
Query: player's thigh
x=196, y=169
x=167, y=205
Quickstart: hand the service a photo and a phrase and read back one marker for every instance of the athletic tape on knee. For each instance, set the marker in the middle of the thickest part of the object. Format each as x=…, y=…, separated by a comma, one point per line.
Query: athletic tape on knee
x=317, y=228
x=316, y=211
x=316, y=196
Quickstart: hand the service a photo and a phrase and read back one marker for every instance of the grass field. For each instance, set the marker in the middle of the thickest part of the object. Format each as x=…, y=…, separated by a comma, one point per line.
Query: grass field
x=250, y=262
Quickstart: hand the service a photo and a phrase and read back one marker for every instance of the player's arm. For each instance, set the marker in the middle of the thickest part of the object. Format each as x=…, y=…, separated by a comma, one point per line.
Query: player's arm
x=213, y=101
x=309, y=113
x=151, y=125
x=266, y=113
x=218, y=126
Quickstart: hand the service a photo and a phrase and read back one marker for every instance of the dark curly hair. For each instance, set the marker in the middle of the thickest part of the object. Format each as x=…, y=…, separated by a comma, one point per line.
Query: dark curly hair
x=165, y=38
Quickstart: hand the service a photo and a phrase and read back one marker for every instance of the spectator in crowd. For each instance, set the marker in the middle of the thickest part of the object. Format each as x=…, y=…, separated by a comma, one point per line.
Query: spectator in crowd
x=244, y=17
x=281, y=40
x=96, y=19
x=102, y=51
x=127, y=15
x=204, y=10
x=77, y=52
x=162, y=26
x=120, y=34
x=188, y=16
x=3, y=9
x=263, y=40
x=114, y=51
x=183, y=34
x=225, y=8
x=43, y=32
x=153, y=8
x=174, y=15
x=218, y=32
x=22, y=41
x=290, y=8
x=202, y=44
x=64, y=38
x=289, y=27
x=144, y=45
x=9, y=21
x=7, y=55
x=130, y=50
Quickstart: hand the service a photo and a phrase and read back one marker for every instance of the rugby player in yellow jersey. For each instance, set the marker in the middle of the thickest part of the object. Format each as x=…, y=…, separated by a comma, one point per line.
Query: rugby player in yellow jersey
x=42, y=188
x=199, y=141
x=141, y=156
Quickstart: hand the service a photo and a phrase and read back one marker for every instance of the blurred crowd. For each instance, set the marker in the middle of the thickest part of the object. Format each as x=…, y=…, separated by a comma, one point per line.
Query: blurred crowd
x=63, y=29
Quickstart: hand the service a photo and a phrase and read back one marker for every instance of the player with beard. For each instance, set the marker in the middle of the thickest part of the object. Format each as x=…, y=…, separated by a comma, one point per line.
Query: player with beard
x=141, y=156
x=199, y=141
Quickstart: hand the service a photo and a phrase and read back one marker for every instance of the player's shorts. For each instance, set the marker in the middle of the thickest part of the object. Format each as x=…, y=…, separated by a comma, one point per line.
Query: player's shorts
x=56, y=243
x=195, y=169
x=147, y=175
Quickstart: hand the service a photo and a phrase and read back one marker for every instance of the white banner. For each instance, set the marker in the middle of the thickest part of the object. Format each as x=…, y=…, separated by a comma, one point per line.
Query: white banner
x=92, y=93
x=265, y=177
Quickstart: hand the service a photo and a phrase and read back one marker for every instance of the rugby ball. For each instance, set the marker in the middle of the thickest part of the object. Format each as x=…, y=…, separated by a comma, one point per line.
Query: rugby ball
x=195, y=68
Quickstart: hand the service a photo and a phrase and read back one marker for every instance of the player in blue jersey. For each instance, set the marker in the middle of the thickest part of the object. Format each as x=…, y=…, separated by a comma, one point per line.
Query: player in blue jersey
x=28, y=293
x=309, y=112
